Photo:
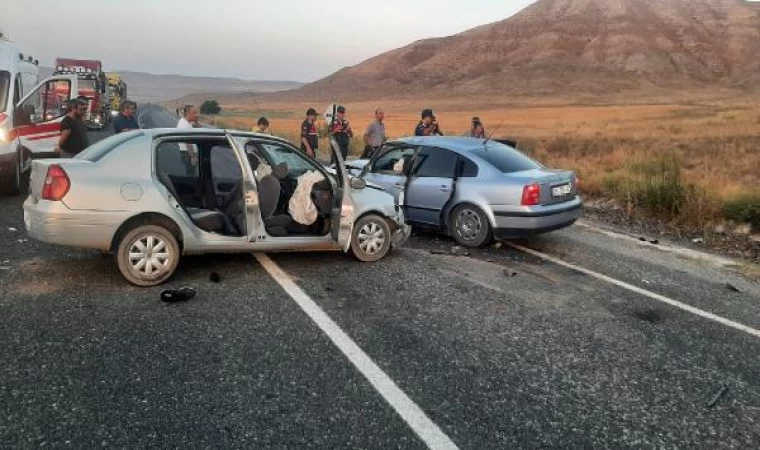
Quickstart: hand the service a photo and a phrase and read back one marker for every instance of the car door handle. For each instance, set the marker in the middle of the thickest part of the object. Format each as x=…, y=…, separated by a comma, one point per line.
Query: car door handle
x=444, y=189
x=399, y=186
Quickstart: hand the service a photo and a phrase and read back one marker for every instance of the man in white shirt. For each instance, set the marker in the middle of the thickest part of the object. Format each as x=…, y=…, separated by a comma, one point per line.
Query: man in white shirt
x=190, y=117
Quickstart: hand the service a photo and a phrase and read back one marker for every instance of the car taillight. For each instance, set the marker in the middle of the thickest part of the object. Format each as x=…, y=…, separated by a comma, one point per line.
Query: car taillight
x=531, y=195
x=57, y=184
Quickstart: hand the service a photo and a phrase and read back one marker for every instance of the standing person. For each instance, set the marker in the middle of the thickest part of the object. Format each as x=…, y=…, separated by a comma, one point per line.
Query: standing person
x=374, y=137
x=262, y=126
x=341, y=131
x=73, y=130
x=126, y=120
x=190, y=117
x=309, y=134
x=428, y=126
x=477, y=130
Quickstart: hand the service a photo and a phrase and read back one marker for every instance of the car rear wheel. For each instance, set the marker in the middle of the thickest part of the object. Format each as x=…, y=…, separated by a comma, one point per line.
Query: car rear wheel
x=148, y=255
x=371, y=238
x=15, y=181
x=469, y=226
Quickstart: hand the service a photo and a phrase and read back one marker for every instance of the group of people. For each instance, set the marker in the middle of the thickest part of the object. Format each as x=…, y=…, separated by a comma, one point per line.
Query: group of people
x=74, y=132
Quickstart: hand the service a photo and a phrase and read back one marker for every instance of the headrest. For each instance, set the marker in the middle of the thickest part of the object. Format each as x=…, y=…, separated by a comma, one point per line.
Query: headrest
x=280, y=171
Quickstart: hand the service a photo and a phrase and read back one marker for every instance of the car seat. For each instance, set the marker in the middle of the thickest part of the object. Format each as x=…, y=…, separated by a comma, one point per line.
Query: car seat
x=269, y=197
x=205, y=219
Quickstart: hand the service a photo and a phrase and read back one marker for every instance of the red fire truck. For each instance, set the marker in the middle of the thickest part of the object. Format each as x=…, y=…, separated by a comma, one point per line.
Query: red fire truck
x=93, y=88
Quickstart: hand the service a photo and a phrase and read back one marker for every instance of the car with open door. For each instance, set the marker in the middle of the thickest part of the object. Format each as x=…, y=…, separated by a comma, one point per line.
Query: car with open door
x=473, y=189
x=150, y=196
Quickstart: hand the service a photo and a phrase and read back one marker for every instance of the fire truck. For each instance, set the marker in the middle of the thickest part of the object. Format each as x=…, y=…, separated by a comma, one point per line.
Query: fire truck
x=93, y=88
x=117, y=92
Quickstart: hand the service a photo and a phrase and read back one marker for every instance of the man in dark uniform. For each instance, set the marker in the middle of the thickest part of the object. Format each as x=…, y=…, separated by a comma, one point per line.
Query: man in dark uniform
x=341, y=130
x=428, y=126
x=73, y=130
x=310, y=134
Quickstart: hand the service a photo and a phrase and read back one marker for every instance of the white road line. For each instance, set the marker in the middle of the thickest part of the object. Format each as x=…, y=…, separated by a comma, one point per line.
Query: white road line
x=412, y=414
x=644, y=292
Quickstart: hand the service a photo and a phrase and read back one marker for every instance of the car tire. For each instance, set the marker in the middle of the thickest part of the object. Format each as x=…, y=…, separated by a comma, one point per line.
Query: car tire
x=371, y=238
x=469, y=226
x=15, y=183
x=141, y=249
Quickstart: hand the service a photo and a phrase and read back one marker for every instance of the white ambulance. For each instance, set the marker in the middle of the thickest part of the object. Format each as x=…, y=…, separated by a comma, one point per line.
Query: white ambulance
x=30, y=114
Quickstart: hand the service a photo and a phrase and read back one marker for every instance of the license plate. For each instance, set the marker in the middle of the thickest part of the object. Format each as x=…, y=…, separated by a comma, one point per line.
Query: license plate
x=562, y=191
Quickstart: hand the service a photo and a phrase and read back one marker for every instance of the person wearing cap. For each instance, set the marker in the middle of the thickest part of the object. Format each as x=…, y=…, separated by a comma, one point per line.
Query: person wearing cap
x=428, y=126
x=374, y=137
x=310, y=134
x=477, y=130
x=262, y=126
x=341, y=130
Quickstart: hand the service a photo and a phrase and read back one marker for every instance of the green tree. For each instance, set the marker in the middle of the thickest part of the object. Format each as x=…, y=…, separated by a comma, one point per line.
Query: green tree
x=210, y=108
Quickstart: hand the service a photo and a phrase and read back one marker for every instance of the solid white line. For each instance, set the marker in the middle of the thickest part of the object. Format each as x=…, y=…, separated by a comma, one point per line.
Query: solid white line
x=412, y=414
x=638, y=290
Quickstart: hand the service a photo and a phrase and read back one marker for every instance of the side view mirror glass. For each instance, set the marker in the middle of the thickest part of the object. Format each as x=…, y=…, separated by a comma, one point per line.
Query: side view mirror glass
x=24, y=115
x=358, y=183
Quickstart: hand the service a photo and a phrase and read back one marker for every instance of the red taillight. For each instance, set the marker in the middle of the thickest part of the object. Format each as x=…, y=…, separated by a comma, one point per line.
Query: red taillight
x=57, y=184
x=531, y=195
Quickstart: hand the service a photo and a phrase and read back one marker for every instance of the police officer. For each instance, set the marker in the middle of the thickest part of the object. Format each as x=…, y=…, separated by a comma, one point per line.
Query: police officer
x=341, y=131
x=310, y=134
x=428, y=126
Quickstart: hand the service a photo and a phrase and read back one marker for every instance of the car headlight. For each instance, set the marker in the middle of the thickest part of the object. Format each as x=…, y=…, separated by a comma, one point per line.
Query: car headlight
x=3, y=134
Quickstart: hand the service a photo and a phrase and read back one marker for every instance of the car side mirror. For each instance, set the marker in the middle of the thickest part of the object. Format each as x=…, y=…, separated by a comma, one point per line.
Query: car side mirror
x=358, y=183
x=23, y=115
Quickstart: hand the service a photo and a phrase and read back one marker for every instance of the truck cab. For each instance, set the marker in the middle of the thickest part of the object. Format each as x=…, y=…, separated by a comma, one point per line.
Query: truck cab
x=30, y=113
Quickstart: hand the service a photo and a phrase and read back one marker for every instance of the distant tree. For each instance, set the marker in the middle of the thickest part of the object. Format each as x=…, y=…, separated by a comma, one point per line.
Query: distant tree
x=210, y=108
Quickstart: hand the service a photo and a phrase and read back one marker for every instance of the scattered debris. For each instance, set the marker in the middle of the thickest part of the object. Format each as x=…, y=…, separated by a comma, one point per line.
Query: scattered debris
x=12, y=230
x=643, y=239
x=215, y=277
x=498, y=245
x=21, y=241
x=733, y=288
x=646, y=281
x=719, y=229
x=654, y=241
x=329, y=289
x=5, y=267
x=178, y=295
x=510, y=273
x=718, y=395
x=698, y=241
x=438, y=252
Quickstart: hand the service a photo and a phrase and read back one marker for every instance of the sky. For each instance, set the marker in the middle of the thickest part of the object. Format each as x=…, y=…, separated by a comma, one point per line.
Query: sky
x=298, y=40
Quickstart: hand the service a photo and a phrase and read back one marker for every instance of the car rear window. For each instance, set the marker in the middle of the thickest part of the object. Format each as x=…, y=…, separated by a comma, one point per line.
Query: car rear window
x=98, y=150
x=506, y=159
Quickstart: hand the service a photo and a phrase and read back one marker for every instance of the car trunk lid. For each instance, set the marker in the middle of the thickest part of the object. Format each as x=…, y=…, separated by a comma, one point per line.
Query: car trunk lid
x=557, y=186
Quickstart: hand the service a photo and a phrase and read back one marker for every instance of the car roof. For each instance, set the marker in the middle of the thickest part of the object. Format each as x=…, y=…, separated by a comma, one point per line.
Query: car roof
x=160, y=132
x=457, y=144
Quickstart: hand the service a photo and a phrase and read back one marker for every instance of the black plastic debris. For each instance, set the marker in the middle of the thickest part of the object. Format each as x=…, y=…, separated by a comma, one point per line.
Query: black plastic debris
x=215, y=277
x=178, y=295
x=716, y=398
x=732, y=288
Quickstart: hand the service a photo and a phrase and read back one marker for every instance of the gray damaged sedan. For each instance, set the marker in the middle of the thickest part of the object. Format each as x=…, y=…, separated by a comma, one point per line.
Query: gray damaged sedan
x=473, y=189
x=151, y=196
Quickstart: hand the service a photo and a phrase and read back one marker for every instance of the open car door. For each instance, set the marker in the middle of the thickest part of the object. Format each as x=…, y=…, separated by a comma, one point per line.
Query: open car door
x=250, y=191
x=39, y=114
x=343, y=213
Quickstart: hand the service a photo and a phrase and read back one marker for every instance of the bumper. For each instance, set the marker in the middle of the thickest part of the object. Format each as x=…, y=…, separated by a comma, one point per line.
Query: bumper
x=520, y=224
x=54, y=223
x=402, y=232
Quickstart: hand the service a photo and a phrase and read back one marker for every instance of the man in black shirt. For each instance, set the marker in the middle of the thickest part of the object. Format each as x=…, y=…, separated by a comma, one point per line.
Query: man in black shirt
x=73, y=130
x=428, y=126
x=341, y=130
x=310, y=134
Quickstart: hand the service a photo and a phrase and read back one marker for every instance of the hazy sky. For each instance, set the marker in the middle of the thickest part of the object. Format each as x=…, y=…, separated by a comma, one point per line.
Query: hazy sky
x=300, y=40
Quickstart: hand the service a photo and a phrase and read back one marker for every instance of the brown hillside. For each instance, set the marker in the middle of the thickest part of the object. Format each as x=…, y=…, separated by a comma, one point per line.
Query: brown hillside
x=556, y=47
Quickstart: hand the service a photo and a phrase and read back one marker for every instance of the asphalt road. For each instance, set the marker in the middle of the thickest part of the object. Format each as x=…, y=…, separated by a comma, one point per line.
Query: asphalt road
x=497, y=348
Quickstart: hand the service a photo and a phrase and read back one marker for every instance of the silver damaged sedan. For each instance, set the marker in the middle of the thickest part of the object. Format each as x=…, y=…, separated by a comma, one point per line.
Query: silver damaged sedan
x=473, y=189
x=151, y=196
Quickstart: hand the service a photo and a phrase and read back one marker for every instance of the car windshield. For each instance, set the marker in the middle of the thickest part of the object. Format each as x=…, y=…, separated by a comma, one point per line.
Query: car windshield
x=86, y=85
x=506, y=159
x=5, y=84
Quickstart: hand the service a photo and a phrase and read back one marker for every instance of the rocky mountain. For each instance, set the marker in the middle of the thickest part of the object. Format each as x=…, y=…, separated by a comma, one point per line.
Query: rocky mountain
x=595, y=47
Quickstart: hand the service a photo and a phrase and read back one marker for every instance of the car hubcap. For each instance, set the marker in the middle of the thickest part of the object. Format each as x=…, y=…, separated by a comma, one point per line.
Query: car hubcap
x=371, y=238
x=469, y=225
x=149, y=256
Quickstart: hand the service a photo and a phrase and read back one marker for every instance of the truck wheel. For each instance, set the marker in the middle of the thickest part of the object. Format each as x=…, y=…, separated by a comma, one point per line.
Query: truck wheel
x=148, y=255
x=371, y=238
x=469, y=226
x=15, y=183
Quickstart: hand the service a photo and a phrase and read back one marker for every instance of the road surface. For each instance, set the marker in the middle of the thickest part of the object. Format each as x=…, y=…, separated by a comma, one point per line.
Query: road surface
x=582, y=338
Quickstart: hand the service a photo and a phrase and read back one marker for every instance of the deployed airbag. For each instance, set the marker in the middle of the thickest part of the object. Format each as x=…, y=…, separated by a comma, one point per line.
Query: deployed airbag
x=301, y=207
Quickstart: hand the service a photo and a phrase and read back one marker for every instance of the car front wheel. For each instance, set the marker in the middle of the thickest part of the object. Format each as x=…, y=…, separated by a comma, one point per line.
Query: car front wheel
x=469, y=226
x=148, y=255
x=371, y=238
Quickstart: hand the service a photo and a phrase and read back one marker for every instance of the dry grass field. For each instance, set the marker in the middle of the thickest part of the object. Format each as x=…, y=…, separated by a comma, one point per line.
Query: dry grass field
x=693, y=162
